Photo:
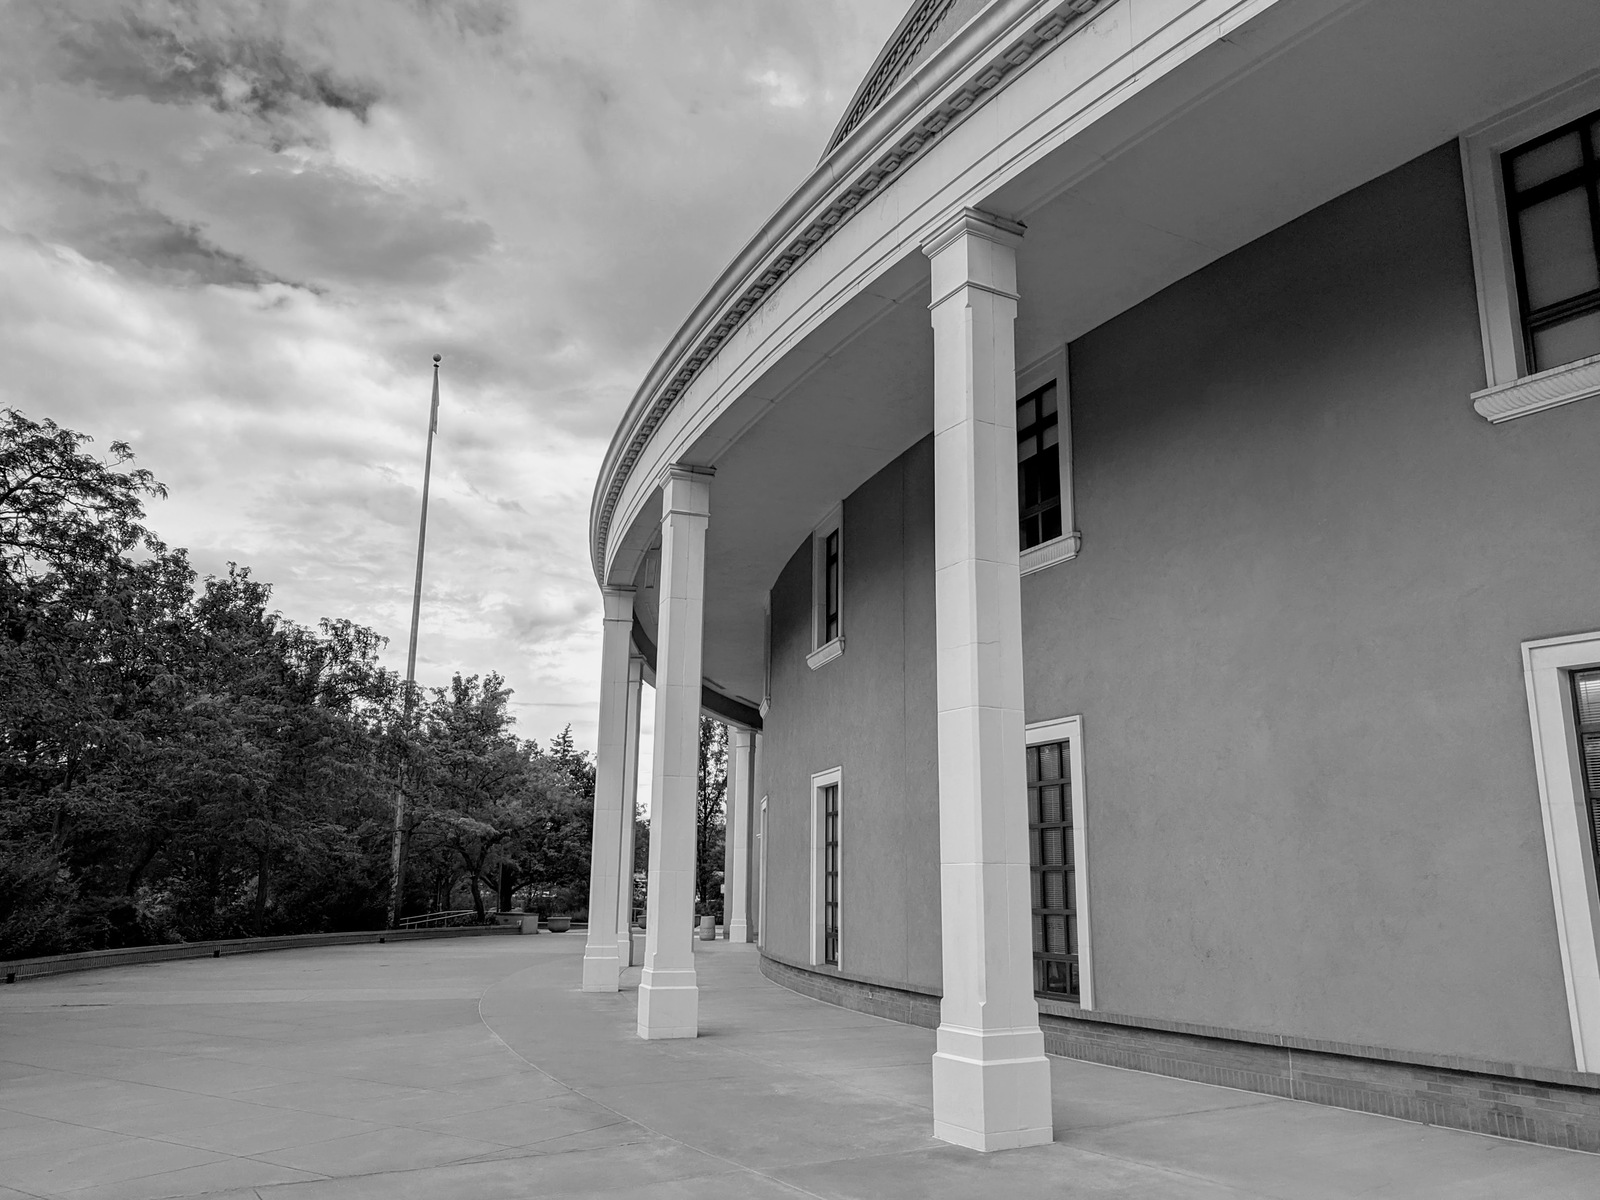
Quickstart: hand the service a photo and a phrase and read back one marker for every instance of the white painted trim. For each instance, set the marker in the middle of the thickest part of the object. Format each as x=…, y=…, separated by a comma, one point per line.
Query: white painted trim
x=832, y=523
x=1498, y=315
x=829, y=651
x=1048, y=554
x=832, y=777
x=1546, y=665
x=1035, y=375
x=1070, y=730
x=1535, y=393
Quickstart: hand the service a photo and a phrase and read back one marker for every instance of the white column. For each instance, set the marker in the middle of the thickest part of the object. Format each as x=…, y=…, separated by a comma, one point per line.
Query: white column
x=600, y=964
x=991, y=1080
x=669, y=999
x=741, y=783
x=630, y=798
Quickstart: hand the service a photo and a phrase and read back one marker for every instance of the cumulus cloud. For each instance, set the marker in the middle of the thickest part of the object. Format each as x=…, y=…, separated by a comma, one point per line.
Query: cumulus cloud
x=232, y=232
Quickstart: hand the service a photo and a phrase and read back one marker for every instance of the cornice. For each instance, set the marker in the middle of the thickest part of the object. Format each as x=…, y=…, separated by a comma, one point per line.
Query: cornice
x=953, y=82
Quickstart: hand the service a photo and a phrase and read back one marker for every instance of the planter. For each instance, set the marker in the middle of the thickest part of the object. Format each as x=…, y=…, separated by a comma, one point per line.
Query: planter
x=560, y=924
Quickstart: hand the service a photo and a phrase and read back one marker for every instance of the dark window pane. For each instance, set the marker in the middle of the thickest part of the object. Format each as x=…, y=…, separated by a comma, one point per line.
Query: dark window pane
x=1555, y=157
x=1055, y=935
x=1050, y=761
x=1591, y=760
x=1055, y=890
x=1050, y=524
x=1587, y=686
x=1050, y=804
x=1055, y=854
x=1047, y=400
x=1557, y=345
x=1558, y=259
x=1027, y=413
x=1026, y=448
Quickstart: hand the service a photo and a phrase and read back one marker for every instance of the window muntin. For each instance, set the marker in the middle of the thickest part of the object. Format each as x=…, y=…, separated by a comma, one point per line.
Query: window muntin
x=830, y=874
x=1586, y=710
x=1039, y=466
x=1552, y=189
x=1052, y=857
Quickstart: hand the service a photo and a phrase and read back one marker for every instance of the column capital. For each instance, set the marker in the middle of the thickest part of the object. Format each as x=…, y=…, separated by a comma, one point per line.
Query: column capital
x=618, y=603
x=635, y=668
x=685, y=490
x=974, y=252
x=978, y=223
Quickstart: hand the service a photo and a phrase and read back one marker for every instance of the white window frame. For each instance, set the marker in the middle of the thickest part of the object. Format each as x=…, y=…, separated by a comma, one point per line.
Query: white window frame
x=1053, y=366
x=766, y=652
x=825, y=652
x=833, y=777
x=1547, y=665
x=761, y=884
x=1070, y=730
x=1511, y=391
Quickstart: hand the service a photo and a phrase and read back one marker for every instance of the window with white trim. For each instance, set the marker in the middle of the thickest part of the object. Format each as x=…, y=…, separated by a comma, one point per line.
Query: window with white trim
x=827, y=589
x=1563, y=681
x=825, y=924
x=1533, y=189
x=1046, y=529
x=1057, y=844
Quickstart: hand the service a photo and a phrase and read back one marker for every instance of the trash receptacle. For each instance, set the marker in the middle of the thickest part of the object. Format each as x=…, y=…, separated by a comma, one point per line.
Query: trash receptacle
x=708, y=928
x=530, y=922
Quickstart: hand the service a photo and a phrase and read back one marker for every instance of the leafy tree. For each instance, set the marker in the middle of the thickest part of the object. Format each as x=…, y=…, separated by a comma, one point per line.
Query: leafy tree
x=710, y=816
x=179, y=761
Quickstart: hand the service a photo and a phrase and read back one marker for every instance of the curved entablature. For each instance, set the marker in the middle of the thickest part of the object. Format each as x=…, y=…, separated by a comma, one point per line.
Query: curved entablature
x=924, y=105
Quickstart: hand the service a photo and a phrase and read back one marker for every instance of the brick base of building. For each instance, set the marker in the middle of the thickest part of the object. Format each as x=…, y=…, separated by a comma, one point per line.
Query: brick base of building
x=1529, y=1104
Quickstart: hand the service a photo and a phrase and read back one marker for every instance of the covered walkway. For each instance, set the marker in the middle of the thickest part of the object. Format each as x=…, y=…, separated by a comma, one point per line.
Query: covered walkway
x=477, y=1069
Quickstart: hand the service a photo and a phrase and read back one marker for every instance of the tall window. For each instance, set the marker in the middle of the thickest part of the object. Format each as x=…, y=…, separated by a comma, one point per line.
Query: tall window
x=1552, y=187
x=1039, y=466
x=830, y=587
x=1586, y=707
x=825, y=786
x=830, y=874
x=1055, y=918
x=827, y=589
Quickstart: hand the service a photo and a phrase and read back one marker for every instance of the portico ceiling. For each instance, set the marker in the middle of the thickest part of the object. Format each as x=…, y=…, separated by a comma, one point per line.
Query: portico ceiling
x=1309, y=100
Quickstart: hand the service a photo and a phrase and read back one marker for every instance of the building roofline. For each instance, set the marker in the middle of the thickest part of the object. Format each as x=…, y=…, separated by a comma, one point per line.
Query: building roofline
x=972, y=66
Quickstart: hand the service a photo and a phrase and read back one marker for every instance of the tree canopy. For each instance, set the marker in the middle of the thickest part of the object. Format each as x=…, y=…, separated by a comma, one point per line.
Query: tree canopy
x=178, y=761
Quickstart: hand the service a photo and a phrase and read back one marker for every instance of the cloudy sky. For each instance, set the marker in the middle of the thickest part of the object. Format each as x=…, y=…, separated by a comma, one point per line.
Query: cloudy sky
x=234, y=233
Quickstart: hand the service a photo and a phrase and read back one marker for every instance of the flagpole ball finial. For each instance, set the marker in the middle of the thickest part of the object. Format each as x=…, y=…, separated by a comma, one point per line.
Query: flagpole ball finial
x=437, y=358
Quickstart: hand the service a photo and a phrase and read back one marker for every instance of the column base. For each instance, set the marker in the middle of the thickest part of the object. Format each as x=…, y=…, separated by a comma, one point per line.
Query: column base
x=625, y=950
x=601, y=970
x=991, y=1090
x=669, y=1004
x=739, y=931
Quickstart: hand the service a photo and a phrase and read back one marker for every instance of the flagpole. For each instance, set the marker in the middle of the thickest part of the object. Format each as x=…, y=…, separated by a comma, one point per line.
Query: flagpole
x=397, y=851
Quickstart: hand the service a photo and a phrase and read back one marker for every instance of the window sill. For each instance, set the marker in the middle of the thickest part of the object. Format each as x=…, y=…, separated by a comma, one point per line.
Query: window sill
x=1048, y=554
x=1535, y=393
x=825, y=653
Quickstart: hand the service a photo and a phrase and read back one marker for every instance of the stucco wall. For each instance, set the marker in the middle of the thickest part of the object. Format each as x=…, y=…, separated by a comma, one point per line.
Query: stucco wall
x=1293, y=634
x=871, y=712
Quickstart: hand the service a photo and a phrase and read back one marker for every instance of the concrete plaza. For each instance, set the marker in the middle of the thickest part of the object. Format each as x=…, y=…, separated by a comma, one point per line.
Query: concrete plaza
x=476, y=1069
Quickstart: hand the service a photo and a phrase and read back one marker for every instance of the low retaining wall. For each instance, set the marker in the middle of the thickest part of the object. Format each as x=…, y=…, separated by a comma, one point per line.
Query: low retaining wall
x=1528, y=1104
x=89, y=960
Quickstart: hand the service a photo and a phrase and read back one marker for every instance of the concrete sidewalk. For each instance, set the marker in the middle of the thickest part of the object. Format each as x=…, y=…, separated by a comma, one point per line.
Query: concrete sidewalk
x=476, y=1069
